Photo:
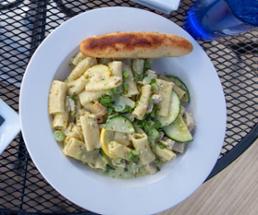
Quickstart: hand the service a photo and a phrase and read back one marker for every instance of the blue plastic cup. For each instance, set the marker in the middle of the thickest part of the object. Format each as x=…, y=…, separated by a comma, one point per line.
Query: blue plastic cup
x=210, y=19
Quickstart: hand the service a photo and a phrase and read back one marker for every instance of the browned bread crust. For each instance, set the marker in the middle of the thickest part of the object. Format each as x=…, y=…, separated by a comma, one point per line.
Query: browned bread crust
x=135, y=45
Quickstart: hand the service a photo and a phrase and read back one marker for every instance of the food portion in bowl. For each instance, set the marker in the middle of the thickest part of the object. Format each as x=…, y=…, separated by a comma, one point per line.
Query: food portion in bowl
x=117, y=115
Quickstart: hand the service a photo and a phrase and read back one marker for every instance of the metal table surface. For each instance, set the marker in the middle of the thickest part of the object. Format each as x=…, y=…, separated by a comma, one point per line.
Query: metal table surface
x=25, y=23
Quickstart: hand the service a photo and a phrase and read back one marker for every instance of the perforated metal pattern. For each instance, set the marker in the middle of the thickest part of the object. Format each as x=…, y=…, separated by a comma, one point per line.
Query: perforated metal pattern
x=24, y=24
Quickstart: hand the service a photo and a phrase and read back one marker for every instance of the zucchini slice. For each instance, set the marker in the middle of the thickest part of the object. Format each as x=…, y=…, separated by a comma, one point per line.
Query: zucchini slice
x=119, y=124
x=178, y=130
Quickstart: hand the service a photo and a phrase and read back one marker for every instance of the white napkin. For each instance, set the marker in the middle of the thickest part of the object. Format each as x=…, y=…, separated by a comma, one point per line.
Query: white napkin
x=10, y=127
x=166, y=6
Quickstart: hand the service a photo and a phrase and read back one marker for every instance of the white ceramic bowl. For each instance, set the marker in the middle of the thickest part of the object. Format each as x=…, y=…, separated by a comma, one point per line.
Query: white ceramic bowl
x=99, y=193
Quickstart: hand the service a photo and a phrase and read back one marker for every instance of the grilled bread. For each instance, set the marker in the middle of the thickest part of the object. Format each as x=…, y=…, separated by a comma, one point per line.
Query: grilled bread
x=135, y=45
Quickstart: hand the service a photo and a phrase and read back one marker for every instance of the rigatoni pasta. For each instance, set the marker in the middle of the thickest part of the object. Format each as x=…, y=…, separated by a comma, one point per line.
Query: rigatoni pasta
x=90, y=131
x=138, y=67
x=142, y=146
x=143, y=102
x=60, y=120
x=57, y=97
x=76, y=86
x=129, y=82
x=165, y=90
x=119, y=116
x=74, y=148
x=81, y=67
x=116, y=68
x=77, y=58
x=117, y=150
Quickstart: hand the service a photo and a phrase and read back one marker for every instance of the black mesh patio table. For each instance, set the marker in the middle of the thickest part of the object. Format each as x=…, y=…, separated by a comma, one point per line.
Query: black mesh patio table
x=25, y=23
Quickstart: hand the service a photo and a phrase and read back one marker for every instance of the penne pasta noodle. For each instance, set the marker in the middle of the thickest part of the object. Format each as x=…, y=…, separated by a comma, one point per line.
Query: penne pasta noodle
x=142, y=106
x=78, y=58
x=118, y=150
x=76, y=86
x=164, y=154
x=141, y=144
x=138, y=66
x=81, y=67
x=116, y=68
x=93, y=160
x=90, y=131
x=74, y=148
x=97, y=109
x=56, y=100
x=60, y=120
x=165, y=91
x=130, y=82
x=74, y=130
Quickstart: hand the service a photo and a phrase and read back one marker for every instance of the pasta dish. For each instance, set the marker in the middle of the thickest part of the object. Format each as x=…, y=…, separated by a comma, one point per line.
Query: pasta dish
x=120, y=117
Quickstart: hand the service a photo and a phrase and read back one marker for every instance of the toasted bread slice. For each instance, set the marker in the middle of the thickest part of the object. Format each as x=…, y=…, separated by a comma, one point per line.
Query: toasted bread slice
x=135, y=45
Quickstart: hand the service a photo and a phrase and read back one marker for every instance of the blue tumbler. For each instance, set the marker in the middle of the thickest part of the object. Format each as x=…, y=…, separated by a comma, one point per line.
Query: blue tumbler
x=210, y=19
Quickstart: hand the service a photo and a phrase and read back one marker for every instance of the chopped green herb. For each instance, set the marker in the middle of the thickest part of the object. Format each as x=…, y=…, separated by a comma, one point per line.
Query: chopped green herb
x=109, y=168
x=147, y=64
x=106, y=100
x=59, y=136
x=151, y=123
x=153, y=81
x=110, y=110
x=133, y=156
x=158, y=162
x=125, y=74
x=154, y=111
x=139, y=123
x=162, y=146
x=127, y=109
x=103, y=157
x=116, y=91
x=157, y=124
x=154, y=85
x=101, y=152
x=125, y=87
x=74, y=98
x=153, y=135
x=123, y=109
x=113, y=91
x=111, y=113
x=151, y=127
x=138, y=77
